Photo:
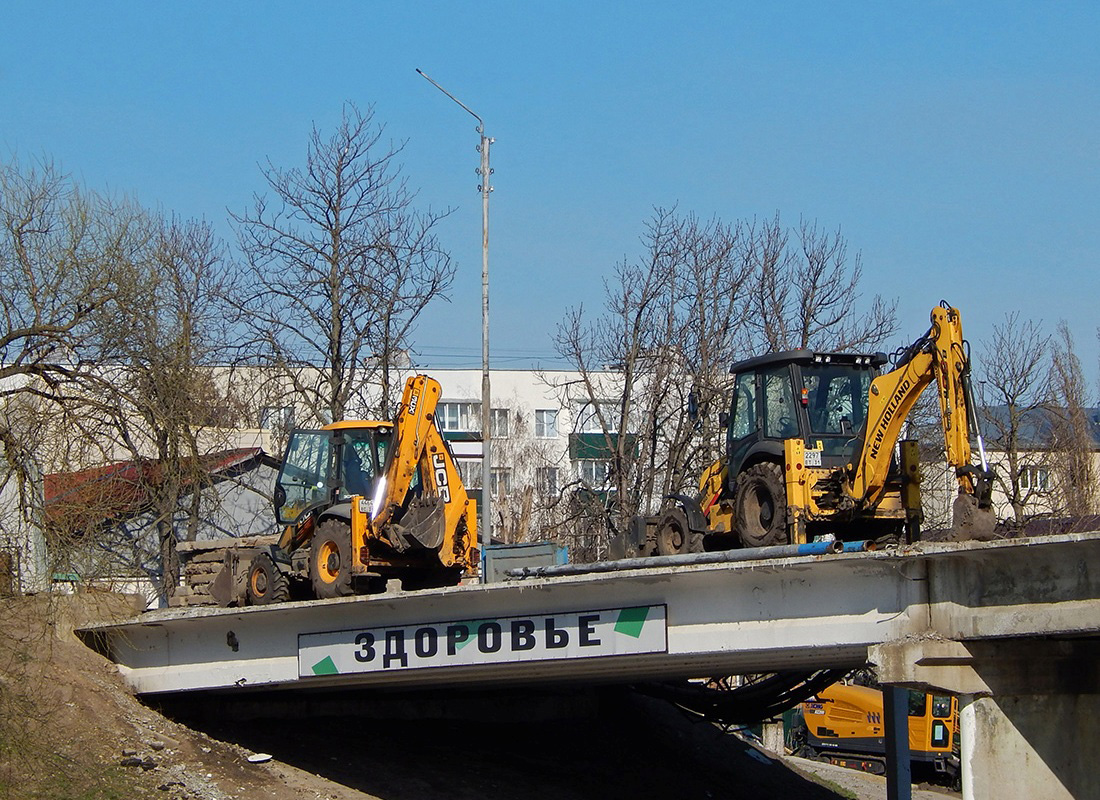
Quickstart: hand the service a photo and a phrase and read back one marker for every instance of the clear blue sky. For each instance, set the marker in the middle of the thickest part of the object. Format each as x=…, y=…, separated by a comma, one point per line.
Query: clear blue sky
x=956, y=144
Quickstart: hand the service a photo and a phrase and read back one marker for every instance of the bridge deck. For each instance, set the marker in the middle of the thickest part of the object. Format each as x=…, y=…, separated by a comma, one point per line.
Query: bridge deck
x=644, y=624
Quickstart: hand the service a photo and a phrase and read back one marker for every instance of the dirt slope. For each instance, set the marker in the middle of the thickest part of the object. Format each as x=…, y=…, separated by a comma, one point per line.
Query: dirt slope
x=69, y=728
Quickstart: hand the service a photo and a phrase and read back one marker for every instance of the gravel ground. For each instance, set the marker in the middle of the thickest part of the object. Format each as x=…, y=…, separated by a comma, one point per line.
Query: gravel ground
x=862, y=785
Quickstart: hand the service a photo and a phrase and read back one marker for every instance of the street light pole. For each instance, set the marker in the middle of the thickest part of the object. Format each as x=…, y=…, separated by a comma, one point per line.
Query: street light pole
x=484, y=171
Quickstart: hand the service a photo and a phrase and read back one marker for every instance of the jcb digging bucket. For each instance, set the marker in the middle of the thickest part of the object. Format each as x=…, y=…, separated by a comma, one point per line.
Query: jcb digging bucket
x=970, y=523
x=424, y=524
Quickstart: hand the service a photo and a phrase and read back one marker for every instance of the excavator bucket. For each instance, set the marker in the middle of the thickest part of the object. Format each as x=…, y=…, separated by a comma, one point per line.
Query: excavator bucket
x=971, y=523
x=423, y=526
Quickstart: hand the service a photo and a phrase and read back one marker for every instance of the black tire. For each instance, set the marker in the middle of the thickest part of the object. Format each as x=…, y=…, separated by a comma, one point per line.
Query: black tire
x=330, y=560
x=760, y=503
x=266, y=584
x=674, y=536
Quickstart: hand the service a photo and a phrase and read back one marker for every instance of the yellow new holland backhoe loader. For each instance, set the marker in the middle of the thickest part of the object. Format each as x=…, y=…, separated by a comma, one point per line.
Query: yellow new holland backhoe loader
x=810, y=450
x=362, y=502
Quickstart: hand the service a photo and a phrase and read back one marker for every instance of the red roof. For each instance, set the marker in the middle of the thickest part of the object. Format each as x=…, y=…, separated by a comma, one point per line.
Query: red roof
x=75, y=501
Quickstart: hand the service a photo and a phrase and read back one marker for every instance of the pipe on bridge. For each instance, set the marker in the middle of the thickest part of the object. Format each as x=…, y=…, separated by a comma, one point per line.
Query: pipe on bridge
x=688, y=559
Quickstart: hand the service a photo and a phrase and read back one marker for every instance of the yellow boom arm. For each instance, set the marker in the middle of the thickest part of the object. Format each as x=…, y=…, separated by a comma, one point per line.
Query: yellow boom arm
x=418, y=445
x=938, y=356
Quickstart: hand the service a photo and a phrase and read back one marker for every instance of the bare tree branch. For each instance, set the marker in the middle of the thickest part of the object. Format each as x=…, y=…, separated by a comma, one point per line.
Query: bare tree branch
x=342, y=267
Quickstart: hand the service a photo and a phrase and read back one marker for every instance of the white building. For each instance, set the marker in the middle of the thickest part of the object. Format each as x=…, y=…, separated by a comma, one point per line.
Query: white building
x=546, y=436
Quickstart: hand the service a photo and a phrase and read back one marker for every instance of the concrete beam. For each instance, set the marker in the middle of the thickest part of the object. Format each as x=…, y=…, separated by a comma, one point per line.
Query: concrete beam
x=1018, y=587
x=1017, y=666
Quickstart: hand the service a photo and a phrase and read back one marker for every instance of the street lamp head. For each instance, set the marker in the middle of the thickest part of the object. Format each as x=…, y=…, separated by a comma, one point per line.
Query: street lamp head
x=480, y=124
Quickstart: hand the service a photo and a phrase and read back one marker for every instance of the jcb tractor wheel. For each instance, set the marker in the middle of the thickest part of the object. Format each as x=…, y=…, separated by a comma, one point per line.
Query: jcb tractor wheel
x=266, y=584
x=674, y=536
x=330, y=560
x=761, y=505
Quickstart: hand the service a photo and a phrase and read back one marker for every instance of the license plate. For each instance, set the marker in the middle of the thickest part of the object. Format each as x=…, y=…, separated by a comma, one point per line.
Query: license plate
x=813, y=458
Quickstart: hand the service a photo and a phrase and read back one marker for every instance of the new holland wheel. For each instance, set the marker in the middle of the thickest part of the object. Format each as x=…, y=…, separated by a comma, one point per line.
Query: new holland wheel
x=674, y=536
x=266, y=584
x=330, y=559
x=761, y=505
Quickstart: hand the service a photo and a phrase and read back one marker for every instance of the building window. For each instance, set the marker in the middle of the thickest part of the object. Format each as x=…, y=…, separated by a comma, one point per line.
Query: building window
x=459, y=417
x=1035, y=479
x=595, y=473
x=277, y=418
x=501, y=482
x=469, y=469
x=546, y=481
x=587, y=413
x=546, y=423
x=498, y=422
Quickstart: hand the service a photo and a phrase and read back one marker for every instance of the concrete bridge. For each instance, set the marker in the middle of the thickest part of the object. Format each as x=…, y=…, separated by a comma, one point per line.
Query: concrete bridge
x=1013, y=627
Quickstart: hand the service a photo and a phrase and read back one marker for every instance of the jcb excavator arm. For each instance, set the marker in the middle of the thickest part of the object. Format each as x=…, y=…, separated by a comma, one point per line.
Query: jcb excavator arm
x=442, y=517
x=940, y=356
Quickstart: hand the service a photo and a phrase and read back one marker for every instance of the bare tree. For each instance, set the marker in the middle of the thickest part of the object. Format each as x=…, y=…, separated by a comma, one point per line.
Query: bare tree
x=166, y=333
x=341, y=266
x=1073, y=441
x=52, y=264
x=705, y=294
x=109, y=348
x=62, y=254
x=807, y=295
x=1013, y=389
x=672, y=325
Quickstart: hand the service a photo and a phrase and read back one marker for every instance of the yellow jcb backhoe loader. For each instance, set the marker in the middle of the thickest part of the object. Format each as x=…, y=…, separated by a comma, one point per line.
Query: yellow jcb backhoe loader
x=362, y=502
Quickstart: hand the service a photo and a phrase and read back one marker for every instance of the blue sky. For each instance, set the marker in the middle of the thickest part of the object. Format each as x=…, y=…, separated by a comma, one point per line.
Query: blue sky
x=955, y=144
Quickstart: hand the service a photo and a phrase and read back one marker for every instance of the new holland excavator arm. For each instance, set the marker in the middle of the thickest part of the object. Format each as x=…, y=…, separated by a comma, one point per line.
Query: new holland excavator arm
x=940, y=356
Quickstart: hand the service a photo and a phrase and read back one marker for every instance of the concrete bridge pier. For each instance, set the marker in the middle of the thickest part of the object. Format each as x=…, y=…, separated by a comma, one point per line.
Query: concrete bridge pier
x=1029, y=710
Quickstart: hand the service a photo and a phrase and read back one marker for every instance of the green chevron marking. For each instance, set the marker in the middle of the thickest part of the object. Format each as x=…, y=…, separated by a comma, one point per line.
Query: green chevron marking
x=631, y=620
x=325, y=667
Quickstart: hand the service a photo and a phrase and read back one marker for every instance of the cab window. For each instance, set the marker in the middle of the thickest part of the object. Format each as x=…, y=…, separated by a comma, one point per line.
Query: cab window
x=918, y=703
x=836, y=397
x=363, y=457
x=303, y=479
x=941, y=706
x=779, y=412
x=743, y=422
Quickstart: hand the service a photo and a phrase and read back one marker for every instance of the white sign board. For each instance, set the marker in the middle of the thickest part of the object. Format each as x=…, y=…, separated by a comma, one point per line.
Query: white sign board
x=576, y=634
